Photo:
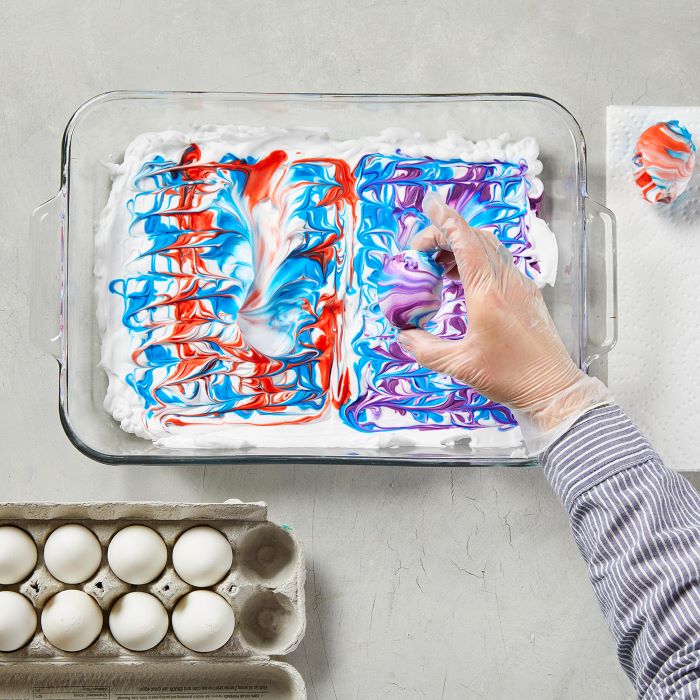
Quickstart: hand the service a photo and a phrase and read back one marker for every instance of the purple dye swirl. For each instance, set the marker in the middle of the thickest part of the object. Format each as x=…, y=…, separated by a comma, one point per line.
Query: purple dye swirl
x=409, y=289
x=395, y=393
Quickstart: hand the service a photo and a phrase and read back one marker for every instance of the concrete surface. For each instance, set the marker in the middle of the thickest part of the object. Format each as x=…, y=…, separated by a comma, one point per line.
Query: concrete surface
x=425, y=582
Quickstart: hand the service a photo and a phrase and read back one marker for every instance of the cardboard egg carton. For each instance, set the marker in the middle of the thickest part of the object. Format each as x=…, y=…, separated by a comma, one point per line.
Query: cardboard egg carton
x=264, y=586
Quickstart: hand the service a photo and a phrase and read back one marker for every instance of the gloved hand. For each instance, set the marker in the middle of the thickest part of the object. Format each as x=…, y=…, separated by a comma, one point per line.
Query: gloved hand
x=512, y=352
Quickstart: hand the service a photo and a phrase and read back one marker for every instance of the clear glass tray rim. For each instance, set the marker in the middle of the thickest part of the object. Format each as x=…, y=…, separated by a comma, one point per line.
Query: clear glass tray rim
x=223, y=457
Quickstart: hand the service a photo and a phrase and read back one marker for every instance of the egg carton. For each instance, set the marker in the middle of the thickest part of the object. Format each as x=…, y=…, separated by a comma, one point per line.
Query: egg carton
x=264, y=586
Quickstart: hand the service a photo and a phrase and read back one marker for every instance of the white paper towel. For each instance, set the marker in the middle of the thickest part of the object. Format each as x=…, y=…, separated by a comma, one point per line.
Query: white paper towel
x=654, y=371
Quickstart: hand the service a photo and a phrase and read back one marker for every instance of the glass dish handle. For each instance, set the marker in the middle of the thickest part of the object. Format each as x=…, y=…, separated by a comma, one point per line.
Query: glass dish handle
x=602, y=303
x=46, y=245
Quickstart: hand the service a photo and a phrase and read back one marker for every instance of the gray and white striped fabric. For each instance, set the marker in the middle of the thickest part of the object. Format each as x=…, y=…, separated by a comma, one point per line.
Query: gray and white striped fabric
x=637, y=525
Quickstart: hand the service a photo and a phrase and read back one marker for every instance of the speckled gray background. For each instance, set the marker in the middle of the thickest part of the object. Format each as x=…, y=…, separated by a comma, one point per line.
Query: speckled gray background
x=424, y=582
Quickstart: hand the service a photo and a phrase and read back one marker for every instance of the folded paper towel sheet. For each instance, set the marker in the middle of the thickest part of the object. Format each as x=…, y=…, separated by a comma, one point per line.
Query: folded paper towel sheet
x=654, y=371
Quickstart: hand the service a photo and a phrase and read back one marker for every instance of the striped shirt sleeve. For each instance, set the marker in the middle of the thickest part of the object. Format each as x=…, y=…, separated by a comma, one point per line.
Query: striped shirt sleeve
x=637, y=525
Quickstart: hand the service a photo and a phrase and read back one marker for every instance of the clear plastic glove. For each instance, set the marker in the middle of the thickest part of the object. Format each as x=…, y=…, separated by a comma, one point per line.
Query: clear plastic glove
x=512, y=352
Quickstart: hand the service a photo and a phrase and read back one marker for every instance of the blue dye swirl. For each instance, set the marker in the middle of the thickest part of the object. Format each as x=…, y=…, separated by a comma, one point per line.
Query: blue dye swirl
x=206, y=271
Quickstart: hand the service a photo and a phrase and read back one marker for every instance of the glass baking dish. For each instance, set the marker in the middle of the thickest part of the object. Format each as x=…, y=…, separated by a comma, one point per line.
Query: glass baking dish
x=63, y=319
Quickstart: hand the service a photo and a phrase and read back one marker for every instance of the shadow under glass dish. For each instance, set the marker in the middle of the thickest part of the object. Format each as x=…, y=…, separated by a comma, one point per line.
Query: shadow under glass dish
x=63, y=320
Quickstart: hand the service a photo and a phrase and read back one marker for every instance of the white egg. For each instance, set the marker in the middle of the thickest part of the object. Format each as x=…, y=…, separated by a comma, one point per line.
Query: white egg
x=72, y=620
x=203, y=621
x=137, y=554
x=202, y=556
x=17, y=555
x=138, y=621
x=17, y=621
x=72, y=553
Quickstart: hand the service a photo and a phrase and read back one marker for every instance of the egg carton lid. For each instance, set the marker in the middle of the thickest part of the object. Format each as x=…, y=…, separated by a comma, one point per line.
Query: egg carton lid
x=200, y=679
x=232, y=509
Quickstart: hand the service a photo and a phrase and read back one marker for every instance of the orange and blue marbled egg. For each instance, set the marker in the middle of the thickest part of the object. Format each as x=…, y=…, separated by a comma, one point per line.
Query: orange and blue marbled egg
x=663, y=161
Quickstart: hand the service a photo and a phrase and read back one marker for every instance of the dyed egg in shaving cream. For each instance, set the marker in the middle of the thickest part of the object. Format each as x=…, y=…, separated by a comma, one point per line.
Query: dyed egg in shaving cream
x=663, y=161
x=409, y=289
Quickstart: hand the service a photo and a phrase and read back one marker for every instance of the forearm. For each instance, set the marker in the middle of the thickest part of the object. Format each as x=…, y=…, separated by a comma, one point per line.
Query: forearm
x=637, y=525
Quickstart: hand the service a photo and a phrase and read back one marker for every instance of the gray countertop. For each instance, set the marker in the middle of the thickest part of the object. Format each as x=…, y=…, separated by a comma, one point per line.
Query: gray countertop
x=423, y=582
